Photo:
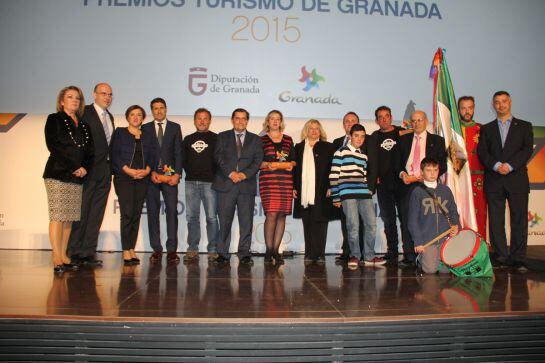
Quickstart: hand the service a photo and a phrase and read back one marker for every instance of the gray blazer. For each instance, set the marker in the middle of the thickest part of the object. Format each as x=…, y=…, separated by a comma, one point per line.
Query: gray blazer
x=225, y=155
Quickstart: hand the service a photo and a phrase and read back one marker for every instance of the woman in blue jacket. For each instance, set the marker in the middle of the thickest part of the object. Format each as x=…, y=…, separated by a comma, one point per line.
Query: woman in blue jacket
x=133, y=157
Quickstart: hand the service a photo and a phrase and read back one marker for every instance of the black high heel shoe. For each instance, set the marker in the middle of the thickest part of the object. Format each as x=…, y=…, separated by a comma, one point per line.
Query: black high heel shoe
x=129, y=262
x=58, y=269
x=135, y=260
x=278, y=259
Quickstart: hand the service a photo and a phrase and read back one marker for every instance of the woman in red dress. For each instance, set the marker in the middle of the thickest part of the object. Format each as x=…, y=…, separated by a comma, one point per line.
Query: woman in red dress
x=276, y=182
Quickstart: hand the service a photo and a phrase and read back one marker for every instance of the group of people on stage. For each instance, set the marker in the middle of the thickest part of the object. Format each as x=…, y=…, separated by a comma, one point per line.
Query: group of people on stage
x=314, y=179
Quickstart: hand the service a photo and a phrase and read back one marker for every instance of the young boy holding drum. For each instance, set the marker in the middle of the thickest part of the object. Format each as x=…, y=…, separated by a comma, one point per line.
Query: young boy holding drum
x=432, y=211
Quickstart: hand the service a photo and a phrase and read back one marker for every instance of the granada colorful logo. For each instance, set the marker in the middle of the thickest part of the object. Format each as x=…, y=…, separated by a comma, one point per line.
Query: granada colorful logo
x=533, y=219
x=310, y=79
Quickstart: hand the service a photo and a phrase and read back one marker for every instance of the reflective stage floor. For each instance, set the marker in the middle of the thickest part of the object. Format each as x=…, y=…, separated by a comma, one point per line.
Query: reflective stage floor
x=294, y=292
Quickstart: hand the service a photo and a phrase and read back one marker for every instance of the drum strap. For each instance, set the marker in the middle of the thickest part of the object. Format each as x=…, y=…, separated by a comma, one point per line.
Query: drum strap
x=438, y=205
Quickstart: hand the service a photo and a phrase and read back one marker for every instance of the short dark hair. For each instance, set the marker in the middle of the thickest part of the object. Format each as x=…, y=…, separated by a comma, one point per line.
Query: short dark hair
x=501, y=93
x=382, y=108
x=466, y=98
x=428, y=161
x=157, y=100
x=357, y=127
x=132, y=108
x=240, y=110
x=201, y=109
x=352, y=113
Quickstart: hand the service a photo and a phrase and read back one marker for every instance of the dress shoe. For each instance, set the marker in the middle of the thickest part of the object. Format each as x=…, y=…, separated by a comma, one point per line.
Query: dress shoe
x=519, y=266
x=391, y=256
x=320, y=260
x=58, y=269
x=156, y=257
x=268, y=258
x=498, y=264
x=221, y=260
x=406, y=263
x=342, y=257
x=91, y=261
x=246, y=260
x=173, y=257
x=76, y=260
x=70, y=266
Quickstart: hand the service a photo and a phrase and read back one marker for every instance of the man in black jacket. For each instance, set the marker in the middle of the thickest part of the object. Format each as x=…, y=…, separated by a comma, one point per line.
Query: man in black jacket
x=96, y=187
x=505, y=147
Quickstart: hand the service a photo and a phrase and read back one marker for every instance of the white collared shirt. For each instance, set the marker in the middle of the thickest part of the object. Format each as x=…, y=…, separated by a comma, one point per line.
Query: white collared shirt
x=156, y=124
x=100, y=111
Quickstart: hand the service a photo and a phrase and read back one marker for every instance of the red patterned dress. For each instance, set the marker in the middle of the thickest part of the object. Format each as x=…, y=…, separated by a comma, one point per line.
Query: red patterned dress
x=276, y=186
x=471, y=131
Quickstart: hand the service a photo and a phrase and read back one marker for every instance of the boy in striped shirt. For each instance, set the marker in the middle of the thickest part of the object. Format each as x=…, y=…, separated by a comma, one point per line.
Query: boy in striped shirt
x=350, y=190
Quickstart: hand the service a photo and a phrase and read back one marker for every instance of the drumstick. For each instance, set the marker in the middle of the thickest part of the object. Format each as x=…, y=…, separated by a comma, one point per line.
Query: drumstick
x=437, y=238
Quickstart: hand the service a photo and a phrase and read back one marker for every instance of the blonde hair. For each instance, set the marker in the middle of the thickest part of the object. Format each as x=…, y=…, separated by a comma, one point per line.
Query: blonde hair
x=304, y=132
x=60, y=98
x=266, y=127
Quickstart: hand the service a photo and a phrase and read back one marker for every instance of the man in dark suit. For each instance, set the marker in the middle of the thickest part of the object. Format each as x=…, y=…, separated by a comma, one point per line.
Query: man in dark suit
x=168, y=136
x=350, y=119
x=505, y=147
x=238, y=155
x=83, y=240
x=413, y=147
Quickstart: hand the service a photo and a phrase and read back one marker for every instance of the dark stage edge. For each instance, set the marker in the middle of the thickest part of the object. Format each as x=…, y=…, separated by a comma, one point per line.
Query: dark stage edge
x=299, y=313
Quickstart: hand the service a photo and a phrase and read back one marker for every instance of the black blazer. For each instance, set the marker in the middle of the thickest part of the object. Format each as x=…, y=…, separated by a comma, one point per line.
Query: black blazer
x=70, y=148
x=225, y=155
x=435, y=148
x=170, y=152
x=100, y=166
x=123, y=147
x=518, y=148
x=323, y=154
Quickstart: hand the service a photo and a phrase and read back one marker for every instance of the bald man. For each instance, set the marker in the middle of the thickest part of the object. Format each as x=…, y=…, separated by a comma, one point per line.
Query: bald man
x=413, y=147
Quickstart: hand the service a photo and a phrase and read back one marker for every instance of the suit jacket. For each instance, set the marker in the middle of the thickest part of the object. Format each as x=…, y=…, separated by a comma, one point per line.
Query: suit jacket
x=435, y=148
x=323, y=154
x=225, y=155
x=70, y=148
x=517, y=151
x=170, y=152
x=100, y=166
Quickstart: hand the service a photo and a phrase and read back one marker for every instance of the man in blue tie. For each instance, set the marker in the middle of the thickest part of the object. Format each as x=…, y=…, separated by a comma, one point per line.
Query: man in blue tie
x=164, y=179
x=83, y=240
x=238, y=155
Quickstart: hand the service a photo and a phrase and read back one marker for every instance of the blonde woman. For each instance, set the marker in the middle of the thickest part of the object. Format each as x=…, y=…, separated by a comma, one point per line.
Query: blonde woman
x=70, y=148
x=276, y=182
x=313, y=157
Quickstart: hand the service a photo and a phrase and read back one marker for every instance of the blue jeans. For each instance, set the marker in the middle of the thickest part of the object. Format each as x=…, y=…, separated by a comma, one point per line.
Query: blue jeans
x=353, y=209
x=195, y=192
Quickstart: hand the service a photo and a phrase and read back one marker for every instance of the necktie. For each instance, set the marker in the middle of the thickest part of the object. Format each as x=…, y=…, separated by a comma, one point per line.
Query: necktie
x=416, y=157
x=346, y=138
x=105, y=120
x=239, y=145
x=160, y=133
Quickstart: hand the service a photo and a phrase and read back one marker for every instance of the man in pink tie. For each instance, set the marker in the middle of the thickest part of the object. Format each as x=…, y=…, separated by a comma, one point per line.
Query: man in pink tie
x=413, y=147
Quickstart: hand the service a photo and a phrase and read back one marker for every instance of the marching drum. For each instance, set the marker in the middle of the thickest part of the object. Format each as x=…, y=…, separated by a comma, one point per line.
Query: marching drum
x=466, y=255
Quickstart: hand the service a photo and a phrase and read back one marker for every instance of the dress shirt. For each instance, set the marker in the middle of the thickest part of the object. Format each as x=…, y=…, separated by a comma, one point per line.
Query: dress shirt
x=504, y=130
x=423, y=137
x=164, y=125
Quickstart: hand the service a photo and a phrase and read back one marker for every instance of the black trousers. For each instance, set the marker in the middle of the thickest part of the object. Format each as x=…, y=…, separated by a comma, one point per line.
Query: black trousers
x=84, y=236
x=315, y=232
x=408, y=243
x=131, y=194
x=390, y=202
x=153, y=208
x=518, y=215
x=244, y=205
